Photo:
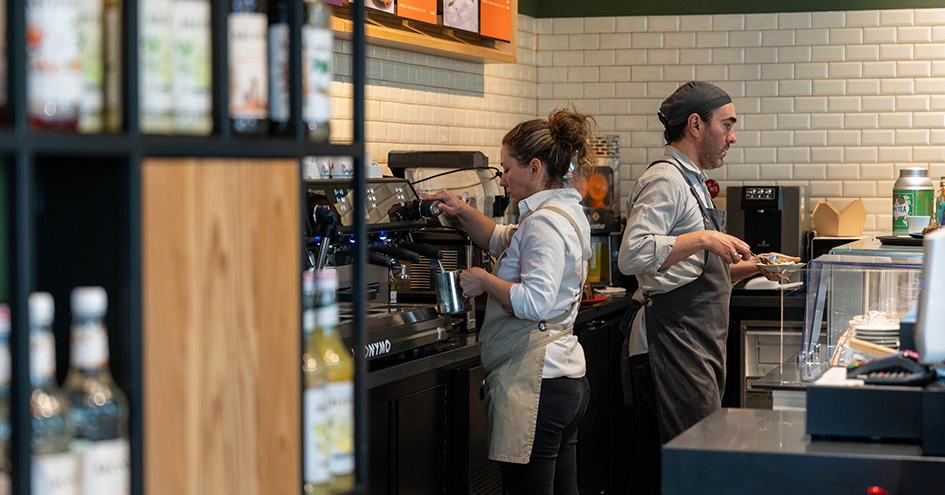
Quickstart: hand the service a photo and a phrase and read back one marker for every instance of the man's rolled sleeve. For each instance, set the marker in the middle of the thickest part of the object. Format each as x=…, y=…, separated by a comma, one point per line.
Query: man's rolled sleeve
x=647, y=241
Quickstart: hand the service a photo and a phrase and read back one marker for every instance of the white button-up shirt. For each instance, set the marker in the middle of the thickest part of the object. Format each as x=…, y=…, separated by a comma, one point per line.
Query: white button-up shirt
x=661, y=207
x=546, y=265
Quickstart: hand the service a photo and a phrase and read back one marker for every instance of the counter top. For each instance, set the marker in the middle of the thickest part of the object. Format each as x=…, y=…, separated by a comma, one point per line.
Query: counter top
x=751, y=451
x=465, y=347
x=785, y=377
x=600, y=309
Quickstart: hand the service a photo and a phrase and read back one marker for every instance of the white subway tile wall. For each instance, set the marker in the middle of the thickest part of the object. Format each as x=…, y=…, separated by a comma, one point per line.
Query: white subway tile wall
x=838, y=101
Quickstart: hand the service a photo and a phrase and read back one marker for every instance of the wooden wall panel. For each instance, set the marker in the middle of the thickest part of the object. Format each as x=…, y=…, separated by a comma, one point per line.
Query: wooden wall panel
x=220, y=270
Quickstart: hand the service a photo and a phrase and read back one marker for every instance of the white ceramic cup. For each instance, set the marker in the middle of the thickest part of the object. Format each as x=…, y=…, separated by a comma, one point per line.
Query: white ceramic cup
x=916, y=224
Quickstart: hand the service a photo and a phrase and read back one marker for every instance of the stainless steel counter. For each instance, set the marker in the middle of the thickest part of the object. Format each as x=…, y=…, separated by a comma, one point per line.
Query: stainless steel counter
x=753, y=451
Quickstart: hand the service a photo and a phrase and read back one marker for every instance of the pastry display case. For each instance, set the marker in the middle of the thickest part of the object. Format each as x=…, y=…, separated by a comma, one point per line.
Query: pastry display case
x=857, y=294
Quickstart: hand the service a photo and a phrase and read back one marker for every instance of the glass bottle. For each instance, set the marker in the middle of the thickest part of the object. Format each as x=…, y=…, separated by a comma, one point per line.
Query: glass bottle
x=247, y=63
x=99, y=408
x=5, y=373
x=340, y=370
x=316, y=471
x=111, y=79
x=192, y=67
x=941, y=202
x=279, y=108
x=317, y=55
x=155, y=72
x=54, y=468
x=53, y=64
x=91, y=51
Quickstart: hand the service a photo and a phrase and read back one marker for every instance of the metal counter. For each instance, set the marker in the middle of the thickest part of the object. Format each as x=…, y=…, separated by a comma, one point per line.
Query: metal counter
x=753, y=451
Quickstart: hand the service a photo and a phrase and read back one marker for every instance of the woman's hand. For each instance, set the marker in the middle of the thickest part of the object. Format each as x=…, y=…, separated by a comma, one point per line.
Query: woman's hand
x=472, y=280
x=449, y=202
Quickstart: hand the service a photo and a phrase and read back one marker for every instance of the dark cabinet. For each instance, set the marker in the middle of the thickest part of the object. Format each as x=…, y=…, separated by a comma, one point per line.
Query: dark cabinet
x=604, y=439
x=429, y=432
x=421, y=462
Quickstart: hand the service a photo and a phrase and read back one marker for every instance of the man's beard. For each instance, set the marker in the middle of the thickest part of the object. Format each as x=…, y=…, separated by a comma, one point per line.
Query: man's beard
x=710, y=157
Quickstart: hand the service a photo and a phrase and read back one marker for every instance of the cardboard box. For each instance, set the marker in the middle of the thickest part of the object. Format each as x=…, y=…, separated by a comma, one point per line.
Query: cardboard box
x=828, y=221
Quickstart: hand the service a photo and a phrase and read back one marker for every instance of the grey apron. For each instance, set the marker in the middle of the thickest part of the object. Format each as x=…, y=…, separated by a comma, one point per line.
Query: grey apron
x=686, y=330
x=512, y=351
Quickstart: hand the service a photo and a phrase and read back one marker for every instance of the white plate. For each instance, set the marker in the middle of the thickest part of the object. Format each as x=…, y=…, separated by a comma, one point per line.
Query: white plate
x=784, y=267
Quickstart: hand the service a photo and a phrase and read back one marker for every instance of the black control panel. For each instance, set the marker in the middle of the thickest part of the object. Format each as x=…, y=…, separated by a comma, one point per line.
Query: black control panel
x=761, y=197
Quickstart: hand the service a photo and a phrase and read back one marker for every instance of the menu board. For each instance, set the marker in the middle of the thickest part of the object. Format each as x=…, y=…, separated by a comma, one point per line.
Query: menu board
x=461, y=14
x=496, y=19
x=418, y=10
x=382, y=5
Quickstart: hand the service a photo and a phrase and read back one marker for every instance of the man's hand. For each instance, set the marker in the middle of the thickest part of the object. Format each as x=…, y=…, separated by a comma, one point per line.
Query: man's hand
x=730, y=248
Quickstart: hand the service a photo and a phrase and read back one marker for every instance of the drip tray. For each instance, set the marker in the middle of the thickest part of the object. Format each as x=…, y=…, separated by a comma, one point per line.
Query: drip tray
x=395, y=328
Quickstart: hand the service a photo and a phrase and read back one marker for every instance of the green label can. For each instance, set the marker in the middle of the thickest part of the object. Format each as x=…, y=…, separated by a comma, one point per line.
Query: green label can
x=912, y=196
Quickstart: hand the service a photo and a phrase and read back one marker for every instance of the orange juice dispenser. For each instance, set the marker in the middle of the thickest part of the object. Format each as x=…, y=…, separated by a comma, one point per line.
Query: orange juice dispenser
x=601, y=202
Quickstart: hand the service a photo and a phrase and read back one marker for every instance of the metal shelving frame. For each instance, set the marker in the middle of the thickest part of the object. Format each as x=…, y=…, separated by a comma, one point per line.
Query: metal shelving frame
x=22, y=147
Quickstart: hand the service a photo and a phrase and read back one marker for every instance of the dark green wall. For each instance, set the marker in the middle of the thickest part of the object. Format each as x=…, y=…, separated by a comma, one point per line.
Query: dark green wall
x=603, y=8
x=528, y=7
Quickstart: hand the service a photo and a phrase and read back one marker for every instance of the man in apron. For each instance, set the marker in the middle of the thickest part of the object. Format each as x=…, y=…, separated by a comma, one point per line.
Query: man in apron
x=685, y=265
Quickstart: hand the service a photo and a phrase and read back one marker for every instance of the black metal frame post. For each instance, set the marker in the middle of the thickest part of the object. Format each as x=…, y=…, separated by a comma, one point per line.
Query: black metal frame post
x=359, y=66
x=24, y=275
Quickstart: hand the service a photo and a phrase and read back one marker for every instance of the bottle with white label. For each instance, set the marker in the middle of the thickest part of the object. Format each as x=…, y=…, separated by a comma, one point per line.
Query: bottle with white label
x=190, y=57
x=99, y=408
x=5, y=373
x=54, y=468
x=91, y=45
x=316, y=473
x=340, y=368
x=247, y=33
x=318, y=43
x=53, y=64
x=155, y=73
x=279, y=108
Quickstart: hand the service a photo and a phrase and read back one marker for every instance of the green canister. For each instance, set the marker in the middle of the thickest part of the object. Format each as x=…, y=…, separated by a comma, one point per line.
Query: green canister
x=912, y=196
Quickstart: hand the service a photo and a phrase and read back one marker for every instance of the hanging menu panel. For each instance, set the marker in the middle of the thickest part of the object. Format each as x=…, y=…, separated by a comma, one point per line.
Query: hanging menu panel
x=382, y=5
x=496, y=19
x=418, y=10
x=461, y=14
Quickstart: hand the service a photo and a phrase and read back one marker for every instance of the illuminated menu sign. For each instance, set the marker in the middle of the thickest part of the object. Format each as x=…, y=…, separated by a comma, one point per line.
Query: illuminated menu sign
x=418, y=10
x=496, y=19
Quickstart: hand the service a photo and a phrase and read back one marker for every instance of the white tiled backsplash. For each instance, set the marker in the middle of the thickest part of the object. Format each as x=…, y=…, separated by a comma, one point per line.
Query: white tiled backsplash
x=838, y=101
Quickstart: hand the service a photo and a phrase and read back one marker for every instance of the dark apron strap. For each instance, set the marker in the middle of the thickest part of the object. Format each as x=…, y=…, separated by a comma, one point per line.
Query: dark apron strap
x=686, y=332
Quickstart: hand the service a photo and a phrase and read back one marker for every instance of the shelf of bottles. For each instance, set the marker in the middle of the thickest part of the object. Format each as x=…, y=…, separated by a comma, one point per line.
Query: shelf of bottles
x=71, y=56
x=212, y=78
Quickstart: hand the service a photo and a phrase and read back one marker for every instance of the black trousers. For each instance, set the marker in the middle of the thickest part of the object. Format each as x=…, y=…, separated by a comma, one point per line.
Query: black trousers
x=552, y=468
x=645, y=474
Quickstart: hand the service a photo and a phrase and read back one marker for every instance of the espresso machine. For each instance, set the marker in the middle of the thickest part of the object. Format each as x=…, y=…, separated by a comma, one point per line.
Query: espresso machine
x=401, y=322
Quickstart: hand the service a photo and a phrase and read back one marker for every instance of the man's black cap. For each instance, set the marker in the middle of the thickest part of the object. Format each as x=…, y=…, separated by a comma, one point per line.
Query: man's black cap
x=693, y=97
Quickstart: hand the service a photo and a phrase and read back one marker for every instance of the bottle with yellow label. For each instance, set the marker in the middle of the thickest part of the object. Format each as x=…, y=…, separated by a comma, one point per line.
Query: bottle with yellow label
x=316, y=474
x=340, y=387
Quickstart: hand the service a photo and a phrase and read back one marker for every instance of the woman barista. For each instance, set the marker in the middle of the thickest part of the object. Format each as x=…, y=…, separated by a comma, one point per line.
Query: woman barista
x=536, y=391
